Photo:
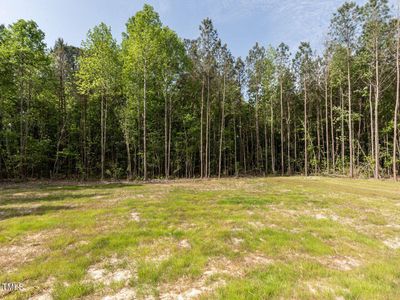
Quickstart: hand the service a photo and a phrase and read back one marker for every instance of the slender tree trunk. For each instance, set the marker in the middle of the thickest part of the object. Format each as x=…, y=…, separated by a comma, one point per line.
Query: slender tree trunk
x=342, y=127
x=235, y=141
x=169, y=137
x=144, y=123
x=350, y=116
x=166, y=134
x=201, y=129
x=305, y=131
x=295, y=147
x=84, y=138
x=289, y=168
x=102, y=136
x=207, y=126
x=396, y=109
x=257, y=136
x=371, y=116
x=317, y=165
x=105, y=128
x=21, y=130
x=59, y=140
x=272, y=139
x=332, y=130
x=327, y=124
x=221, y=137
x=377, y=96
x=282, y=150
x=241, y=143
x=266, y=141
x=128, y=152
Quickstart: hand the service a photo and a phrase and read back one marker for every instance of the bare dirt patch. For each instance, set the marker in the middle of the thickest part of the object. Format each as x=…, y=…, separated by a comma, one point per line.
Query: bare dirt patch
x=342, y=263
x=184, y=244
x=124, y=294
x=393, y=243
x=24, y=250
x=99, y=273
x=135, y=216
x=106, y=277
x=212, y=277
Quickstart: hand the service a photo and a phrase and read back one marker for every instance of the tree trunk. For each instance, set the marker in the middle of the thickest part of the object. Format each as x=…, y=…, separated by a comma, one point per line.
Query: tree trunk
x=318, y=139
x=207, y=126
x=144, y=125
x=342, y=127
x=266, y=141
x=257, y=135
x=235, y=141
x=305, y=131
x=371, y=115
x=166, y=135
x=327, y=124
x=377, y=95
x=169, y=137
x=350, y=116
x=222, y=130
x=272, y=139
x=201, y=129
x=282, y=151
x=102, y=136
x=289, y=168
x=332, y=131
x=128, y=152
x=396, y=109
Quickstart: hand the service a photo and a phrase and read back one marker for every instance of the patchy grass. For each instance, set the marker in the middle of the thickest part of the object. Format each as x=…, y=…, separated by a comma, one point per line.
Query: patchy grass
x=256, y=238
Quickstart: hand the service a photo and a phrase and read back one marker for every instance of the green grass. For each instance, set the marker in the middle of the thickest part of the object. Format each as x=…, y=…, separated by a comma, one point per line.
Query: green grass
x=256, y=238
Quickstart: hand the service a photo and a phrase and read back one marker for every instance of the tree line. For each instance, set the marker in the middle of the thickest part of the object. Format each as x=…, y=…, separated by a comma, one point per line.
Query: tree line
x=156, y=105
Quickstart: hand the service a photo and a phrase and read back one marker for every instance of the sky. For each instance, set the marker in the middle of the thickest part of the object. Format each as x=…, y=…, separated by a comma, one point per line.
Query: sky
x=240, y=23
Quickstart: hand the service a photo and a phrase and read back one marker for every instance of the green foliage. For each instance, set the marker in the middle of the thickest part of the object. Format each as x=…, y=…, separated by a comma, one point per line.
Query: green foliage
x=80, y=112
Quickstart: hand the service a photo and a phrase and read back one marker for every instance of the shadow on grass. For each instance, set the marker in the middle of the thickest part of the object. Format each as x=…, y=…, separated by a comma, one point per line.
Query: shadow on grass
x=64, y=185
x=8, y=213
x=99, y=186
x=47, y=198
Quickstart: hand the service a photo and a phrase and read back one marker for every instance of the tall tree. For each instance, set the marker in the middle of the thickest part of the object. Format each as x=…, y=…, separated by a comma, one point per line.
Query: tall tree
x=141, y=47
x=255, y=70
x=396, y=108
x=344, y=30
x=99, y=75
x=25, y=63
x=376, y=14
x=282, y=62
x=209, y=43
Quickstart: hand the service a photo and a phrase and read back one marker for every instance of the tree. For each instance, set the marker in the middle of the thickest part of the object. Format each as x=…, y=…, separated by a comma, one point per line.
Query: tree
x=375, y=14
x=141, y=47
x=99, y=73
x=24, y=63
x=303, y=64
x=173, y=63
x=208, y=45
x=255, y=70
x=160, y=107
x=282, y=65
x=226, y=61
x=344, y=29
x=396, y=109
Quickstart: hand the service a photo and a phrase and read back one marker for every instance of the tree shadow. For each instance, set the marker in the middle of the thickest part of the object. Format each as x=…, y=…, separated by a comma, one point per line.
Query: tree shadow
x=65, y=186
x=21, y=199
x=100, y=186
x=8, y=213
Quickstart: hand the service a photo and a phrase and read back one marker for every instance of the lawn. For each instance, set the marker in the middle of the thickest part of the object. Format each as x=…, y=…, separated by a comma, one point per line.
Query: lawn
x=253, y=238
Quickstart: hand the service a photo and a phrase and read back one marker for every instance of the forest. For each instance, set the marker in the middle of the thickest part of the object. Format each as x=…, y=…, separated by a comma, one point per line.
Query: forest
x=159, y=106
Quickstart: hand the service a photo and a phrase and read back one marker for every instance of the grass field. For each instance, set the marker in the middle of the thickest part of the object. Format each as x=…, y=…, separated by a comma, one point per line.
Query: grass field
x=256, y=238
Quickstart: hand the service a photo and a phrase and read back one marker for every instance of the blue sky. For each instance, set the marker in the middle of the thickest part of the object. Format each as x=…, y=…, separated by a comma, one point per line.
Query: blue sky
x=240, y=23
